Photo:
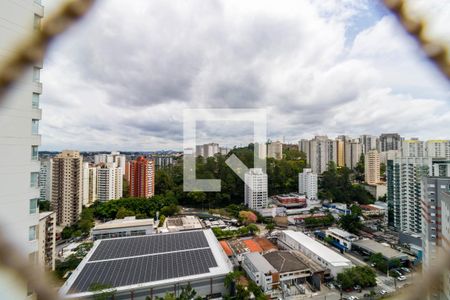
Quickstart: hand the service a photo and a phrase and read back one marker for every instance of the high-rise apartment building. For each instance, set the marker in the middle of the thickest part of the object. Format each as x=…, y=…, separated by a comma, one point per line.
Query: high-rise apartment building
x=19, y=135
x=372, y=167
x=368, y=142
x=275, y=150
x=322, y=150
x=413, y=148
x=261, y=150
x=164, y=161
x=307, y=184
x=303, y=146
x=67, y=187
x=89, y=184
x=436, y=229
x=438, y=148
x=404, y=195
x=45, y=179
x=256, y=188
x=390, y=141
x=47, y=239
x=341, y=142
x=142, y=177
x=115, y=157
x=207, y=150
x=109, y=182
x=353, y=152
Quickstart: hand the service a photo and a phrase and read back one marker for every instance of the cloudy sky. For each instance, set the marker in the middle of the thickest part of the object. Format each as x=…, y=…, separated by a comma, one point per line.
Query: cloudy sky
x=122, y=78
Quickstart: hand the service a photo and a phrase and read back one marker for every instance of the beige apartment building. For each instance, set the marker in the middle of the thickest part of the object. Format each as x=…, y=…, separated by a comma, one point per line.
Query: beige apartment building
x=372, y=167
x=67, y=187
x=47, y=240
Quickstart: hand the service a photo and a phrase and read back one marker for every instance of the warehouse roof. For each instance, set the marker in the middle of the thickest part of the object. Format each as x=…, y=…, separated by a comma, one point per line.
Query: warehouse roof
x=148, y=261
x=322, y=251
x=375, y=247
x=285, y=261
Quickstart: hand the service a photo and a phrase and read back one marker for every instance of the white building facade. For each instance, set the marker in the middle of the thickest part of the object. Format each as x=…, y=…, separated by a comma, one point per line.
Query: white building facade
x=256, y=194
x=307, y=184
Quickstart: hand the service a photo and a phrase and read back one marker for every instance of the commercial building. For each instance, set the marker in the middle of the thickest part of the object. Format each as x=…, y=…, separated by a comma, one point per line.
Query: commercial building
x=45, y=179
x=404, y=195
x=67, y=187
x=275, y=150
x=47, y=240
x=372, y=167
x=89, y=184
x=321, y=254
x=129, y=226
x=341, y=238
x=369, y=247
x=390, y=141
x=159, y=264
x=307, y=184
x=20, y=138
x=256, y=188
x=142, y=177
x=109, y=182
x=181, y=223
x=435, y=233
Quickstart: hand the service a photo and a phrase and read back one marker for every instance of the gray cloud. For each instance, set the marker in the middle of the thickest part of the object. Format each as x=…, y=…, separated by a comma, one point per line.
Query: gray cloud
x=122, y=78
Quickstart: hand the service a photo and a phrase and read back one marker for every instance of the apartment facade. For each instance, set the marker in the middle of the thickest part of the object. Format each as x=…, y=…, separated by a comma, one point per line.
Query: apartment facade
x=47, y=240
x=435, y=229
x=89, y=184
x=20, y=114
x=142, y=177
x=372, y=167
x=256, y=194
x=404, y=194
x=109, y=182
x=414, y=148
x=307, y=184
x=67, y=187
x=207, y=150
x=275, y=150
x=368, y=143
x=45, y=179
x=390, y=141
x=322, y=150
x=438, y=148
x=353, y=152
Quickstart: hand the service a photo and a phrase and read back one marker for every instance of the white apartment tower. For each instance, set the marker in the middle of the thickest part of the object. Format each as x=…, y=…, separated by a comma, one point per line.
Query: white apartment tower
x=114, y=157
x=353, y=151
x=89, y=184
x=109, y=182
x=67, y=187
x=19, y=135
x=256, y=188
x=438, y=148
x=372, y=167
x=368, y=142
x=207, y=150
x=307, y=184
x=404, y=192
x=413, y=148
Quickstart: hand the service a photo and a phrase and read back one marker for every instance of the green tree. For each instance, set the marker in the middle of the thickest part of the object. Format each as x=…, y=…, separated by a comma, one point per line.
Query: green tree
x=270, y=227
x=350, y=222
x=359, y=169
x=123, y=212
x=102, y=291
x=44, y=205
x=252, y=228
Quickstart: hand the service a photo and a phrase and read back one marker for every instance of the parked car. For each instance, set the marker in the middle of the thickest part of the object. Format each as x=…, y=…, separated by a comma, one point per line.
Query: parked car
x=357, y=288
x=405, y=270
x=353, y=298
x=401, y=278
x=382, y=292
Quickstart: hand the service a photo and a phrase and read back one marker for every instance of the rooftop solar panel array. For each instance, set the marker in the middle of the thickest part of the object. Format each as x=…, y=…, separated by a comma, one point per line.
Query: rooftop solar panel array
x=117, y=248
x=128, y=261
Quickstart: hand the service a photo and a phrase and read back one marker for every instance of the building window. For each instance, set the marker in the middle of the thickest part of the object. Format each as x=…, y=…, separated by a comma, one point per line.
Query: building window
x=34, y=179
x=35, y=100
x=34, y=206
x=32, y=233
x=34, y=126
x=34, y=153
x=36, y=74
x=37, y=22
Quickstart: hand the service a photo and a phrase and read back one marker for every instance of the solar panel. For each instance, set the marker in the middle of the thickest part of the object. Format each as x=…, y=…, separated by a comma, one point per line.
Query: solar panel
x=128, y=271
x=142, y=245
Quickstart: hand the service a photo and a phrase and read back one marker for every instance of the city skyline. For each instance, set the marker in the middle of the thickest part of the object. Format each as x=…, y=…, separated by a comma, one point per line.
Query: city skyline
x=242, y=56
